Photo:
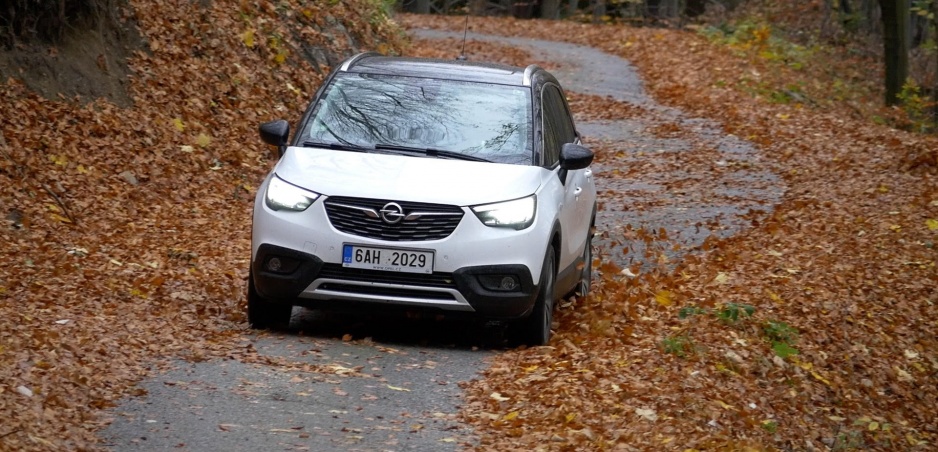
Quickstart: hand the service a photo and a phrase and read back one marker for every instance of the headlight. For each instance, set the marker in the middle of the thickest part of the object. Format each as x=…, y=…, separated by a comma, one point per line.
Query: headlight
x=517, y=214
x=284, y=196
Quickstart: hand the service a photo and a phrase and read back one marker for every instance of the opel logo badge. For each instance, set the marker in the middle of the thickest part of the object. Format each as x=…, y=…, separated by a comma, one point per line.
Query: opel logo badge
x=392, y=213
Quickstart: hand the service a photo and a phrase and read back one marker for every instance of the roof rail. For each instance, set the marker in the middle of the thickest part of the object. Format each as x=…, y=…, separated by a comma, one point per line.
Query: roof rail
x=349, y=62
x=528, y=72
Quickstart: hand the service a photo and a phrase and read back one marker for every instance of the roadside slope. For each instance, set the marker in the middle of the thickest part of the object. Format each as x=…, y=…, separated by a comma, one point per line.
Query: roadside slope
x=128, y=229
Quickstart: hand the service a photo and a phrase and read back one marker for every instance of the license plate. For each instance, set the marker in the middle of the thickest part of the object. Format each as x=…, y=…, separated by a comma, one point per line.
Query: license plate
x=387, y=259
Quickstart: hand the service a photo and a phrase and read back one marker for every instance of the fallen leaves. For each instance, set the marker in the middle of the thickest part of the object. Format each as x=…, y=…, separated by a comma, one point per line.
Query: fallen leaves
x=721, y=278
x=23, y=390
x=663, y=297
x=860, y=308
x=90, y=297
x=847, y=255
x=647, y=414
x=499, y=398
x=248, y=38
x=203, y=140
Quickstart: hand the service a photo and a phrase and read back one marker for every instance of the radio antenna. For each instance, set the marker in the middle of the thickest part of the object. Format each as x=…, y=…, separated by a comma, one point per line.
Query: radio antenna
x=462, y=53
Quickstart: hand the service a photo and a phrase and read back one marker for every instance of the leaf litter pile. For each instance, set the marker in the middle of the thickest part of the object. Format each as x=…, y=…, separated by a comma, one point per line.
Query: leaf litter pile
x=814, y=329
x=128, y=233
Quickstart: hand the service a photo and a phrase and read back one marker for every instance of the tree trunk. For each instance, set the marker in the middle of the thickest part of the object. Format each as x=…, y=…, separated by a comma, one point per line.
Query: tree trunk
x=599, y=10
x=550, y=9
x=477, y=7
x=870, y=13
x=415, y=6
x=694, y=8
x=669, y=9
x=422, y=7
x=934, y=92
x=895, y=46
x=523, y=9
x=826, y=18
x=651, y=8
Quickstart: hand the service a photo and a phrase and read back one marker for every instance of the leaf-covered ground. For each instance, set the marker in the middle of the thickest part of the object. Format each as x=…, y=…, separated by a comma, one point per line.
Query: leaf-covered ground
x=128, y=239
x=126, y=232
x=813, y=330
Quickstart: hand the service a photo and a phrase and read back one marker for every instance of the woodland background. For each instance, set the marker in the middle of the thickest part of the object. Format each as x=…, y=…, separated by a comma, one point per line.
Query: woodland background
x=129, y=159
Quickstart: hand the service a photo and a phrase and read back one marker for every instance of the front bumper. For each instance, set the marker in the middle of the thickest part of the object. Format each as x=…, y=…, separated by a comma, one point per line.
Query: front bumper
x=471, y=251
x=305, y=279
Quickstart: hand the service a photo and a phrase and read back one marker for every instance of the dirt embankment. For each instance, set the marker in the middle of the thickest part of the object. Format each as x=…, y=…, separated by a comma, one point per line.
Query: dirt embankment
x=90, y=60
x=126, y=223
x=80, y=61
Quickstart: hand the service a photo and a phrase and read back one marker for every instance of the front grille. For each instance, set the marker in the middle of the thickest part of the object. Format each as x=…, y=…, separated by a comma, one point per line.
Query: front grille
x=387, y=291
x=357, y=216
x=434, y=280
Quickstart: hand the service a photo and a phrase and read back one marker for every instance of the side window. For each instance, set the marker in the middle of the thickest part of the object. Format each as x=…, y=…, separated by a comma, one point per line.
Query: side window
x=553, y=136
x=558, y=126
x=568, y=131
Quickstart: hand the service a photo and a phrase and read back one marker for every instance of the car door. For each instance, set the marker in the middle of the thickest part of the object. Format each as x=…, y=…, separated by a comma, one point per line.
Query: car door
x=581, y=180
x=578, y=196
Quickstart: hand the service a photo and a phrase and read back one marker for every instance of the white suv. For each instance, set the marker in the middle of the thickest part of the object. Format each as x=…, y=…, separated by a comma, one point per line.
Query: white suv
x=426, y=184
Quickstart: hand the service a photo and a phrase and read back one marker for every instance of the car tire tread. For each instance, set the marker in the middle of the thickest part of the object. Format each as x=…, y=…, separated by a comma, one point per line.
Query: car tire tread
x=534, y=329
x=586, y=275
x=266, y=315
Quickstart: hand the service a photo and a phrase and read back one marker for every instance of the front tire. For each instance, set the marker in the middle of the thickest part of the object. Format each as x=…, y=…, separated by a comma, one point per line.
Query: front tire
x=535, y=329
x=264, y=314
x=582, y=288
x=586, y=275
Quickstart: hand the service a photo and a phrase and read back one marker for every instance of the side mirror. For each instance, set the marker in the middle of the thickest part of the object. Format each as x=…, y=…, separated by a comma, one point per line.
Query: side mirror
x=276, y=133
x=574, y=157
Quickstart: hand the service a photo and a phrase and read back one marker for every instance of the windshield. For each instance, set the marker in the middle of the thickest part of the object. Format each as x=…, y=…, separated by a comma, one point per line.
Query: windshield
x=482, y=120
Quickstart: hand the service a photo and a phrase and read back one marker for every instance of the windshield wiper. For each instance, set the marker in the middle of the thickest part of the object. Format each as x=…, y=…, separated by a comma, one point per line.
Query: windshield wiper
x=430, y=152
x=339, y=146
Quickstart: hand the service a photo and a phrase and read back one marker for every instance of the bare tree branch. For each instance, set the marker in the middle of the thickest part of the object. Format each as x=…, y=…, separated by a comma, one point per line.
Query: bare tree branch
x=22, y=173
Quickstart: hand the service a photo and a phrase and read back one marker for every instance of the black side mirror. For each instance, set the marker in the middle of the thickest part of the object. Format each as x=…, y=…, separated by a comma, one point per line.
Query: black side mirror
x=574, y=157
x=276, y=133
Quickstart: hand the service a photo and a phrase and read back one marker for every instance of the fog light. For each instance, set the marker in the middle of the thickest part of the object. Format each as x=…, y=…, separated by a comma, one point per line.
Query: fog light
x=500, y=283
x=509, y=283
x=282, y=265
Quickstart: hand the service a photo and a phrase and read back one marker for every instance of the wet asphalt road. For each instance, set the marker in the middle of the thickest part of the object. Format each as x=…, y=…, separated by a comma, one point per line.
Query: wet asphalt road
x=395, y=386
x=397, y=390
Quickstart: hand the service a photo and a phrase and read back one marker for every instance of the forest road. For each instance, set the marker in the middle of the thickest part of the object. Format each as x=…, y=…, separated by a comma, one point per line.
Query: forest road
x=394, y=384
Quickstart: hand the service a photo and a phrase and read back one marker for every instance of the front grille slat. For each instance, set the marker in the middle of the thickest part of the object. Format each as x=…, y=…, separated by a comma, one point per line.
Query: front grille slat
x=388, y=292
x=428, y=227
x=435, y=280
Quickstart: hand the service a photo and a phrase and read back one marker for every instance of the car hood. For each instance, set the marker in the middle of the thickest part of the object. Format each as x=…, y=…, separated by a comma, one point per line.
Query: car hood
x=405, y=178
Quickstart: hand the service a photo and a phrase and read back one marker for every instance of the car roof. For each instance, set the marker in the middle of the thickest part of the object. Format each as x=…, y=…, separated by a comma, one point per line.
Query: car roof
x=471, y=71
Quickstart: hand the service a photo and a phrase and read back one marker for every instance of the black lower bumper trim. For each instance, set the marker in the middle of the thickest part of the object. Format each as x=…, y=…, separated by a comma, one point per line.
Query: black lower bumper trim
x=306, y=268
x=497, y=304
x=283, y=286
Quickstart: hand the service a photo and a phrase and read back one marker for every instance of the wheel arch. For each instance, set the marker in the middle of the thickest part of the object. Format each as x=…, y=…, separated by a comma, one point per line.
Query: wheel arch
x=556, y=243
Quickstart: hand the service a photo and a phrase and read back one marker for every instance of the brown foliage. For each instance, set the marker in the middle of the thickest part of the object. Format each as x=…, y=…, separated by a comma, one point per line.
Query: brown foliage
x=847, y=258
x=127, y=231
